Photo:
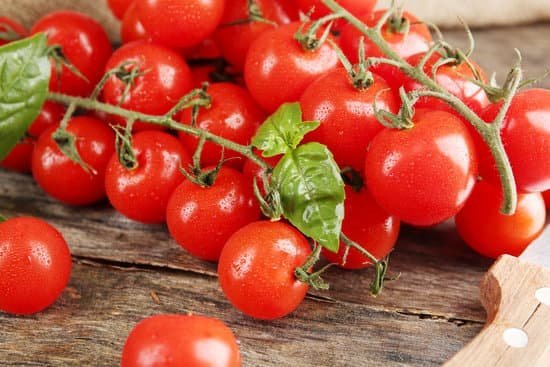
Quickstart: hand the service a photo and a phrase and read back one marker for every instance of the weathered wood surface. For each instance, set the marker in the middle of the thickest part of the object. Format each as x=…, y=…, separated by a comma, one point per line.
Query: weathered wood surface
x=422, y=319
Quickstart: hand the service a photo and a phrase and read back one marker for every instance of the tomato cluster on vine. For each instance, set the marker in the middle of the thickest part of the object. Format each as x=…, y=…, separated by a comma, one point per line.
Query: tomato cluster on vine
x=406, y=156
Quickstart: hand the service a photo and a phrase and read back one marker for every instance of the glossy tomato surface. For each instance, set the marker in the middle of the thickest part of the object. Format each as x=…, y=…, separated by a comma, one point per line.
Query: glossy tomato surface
x=119, y=7
x=180, y=24
x=368, y=225
x=12, y=29
x=201, y=219
x=425, y=174
x=65, y=180
x=131, y=28
x=84, y=43
x=348, y=121
x=356, y=7
x=526, y=137
x=235, y=37
x=487, y=231
x=233, y=115
x=165, y=78
x=20, y=157
x=278, y=69
x=256, y=269
x=35, y=265
x=142, y=193
x=178, y=340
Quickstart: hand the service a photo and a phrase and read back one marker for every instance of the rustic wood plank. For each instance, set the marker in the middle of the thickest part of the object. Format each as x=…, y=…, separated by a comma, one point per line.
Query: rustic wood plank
x=90, y=322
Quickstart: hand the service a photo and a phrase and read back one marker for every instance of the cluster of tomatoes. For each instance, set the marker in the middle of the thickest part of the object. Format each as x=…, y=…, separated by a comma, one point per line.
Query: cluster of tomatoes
x=423, y=175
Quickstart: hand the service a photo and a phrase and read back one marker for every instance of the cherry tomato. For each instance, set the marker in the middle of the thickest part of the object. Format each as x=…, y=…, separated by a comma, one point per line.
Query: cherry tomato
x=12, y=29
x=119, y=7
x=177, y=340
x=20, y=158
x=131, y=28
x=487, y=231
x=367, y=224
x=35, y=263
x=180, y=24
x=455, y=79
x=233, y=115
x=207, y=49
x=202, y=74
x=546, y=196
x=526, y=137
x=278, y=69
x=201, y=219
x=425, y=174
x=165, y=79
x=254, y=172
x=348, y=122
x=142, y=193
x=416, y=40
x=84, y=43
x=62, y=178
x=355, y=7
x=235, y=39
x=256, y=269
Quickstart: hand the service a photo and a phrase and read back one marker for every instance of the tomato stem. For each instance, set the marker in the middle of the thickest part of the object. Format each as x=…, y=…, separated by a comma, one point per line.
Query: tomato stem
x=314, y=279
x=489, y=132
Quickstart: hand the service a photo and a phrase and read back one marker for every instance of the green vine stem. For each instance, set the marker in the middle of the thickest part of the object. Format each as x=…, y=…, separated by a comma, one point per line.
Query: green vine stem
x=490, y=132
x=167, y=121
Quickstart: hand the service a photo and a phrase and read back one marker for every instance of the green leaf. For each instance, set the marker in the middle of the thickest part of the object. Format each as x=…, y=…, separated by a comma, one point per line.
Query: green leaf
x=283, y=131
x=312, y=193
x=24, y=78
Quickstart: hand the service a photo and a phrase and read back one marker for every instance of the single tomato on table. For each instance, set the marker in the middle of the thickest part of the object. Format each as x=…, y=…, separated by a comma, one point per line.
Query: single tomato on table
x=35, y=263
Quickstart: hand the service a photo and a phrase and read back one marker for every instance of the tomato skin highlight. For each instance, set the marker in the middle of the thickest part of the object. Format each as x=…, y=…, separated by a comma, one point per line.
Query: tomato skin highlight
x=142, y=194
x=201, y=219
x=492, y=234
x=180, y=24
x=131, y=28
x=423, y=175
x=35, y=263
x=278, y=69
x=65, y=180
x=233, y=115
x=84, y=43
x=15, y=27
x=526, y=137
x=348, y=121
x=367, y=224
x=178, y=340
x=167, y=78
x=256, y=269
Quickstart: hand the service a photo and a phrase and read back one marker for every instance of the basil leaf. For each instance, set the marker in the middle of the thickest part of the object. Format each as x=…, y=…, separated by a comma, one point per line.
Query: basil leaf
x=282, y=131
x=312, y=193
x=24, y=78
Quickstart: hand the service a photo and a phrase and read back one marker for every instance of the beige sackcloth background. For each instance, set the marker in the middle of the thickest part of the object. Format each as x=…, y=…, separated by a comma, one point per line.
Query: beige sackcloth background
x=442, y=12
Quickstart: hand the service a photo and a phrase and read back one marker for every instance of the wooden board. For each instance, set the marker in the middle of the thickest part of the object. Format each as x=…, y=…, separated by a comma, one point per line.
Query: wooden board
x=422, y=319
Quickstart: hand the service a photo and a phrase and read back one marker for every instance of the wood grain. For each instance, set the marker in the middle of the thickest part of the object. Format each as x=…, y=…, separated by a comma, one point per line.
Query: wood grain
x=422, y=319
x=508, y=294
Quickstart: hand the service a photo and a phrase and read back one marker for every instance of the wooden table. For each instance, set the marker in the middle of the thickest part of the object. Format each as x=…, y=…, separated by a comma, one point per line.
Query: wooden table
x=124, y=272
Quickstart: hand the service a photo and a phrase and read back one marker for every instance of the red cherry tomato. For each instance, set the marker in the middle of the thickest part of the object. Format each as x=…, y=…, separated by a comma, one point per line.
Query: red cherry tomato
x=35, y=264
x=131, y=28
x=12, y=28
x=254, y=172
x=356, y=7
x=84, y=43
x=423, y=175
x=256, y=269
x=207, y=49
x=367, y=224
x=62, y=178
x=454, y=78
x=279, y=70
x=201, y=219
x=180, y=24
x=166, y=79
x=201, y=74
x=546, y=196
x=20, y=157
x=487, y=231
x=348, y=122
x=177, y=340
x=416, y=40
x=119, y=7
x=235, y=39
x=232, y=115
x=142, y=193
x=526, y=137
